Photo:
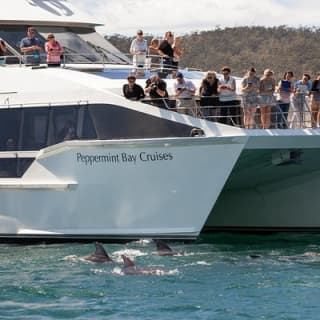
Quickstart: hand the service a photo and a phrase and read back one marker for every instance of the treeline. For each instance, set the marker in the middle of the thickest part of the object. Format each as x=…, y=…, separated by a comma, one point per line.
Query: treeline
x=278, y=48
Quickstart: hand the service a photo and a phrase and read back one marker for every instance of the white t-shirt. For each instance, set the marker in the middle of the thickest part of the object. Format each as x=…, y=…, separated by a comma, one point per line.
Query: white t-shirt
x=185, y=84
x=226, y=94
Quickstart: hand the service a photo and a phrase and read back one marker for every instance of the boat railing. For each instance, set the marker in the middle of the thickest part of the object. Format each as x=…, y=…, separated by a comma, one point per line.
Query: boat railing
x=278, y=115
x=153, y=63
x=7, y=104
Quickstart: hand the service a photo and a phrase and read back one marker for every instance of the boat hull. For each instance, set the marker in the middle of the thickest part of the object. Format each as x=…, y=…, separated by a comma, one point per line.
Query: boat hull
x=118, y=190
x=271, y=189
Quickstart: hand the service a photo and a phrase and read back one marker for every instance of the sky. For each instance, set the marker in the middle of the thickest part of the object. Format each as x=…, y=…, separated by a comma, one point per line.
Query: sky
x=185, y=16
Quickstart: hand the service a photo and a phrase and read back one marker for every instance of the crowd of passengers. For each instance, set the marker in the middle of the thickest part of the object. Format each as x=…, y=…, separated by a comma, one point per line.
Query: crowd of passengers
x=217, y=98
x=289, y=102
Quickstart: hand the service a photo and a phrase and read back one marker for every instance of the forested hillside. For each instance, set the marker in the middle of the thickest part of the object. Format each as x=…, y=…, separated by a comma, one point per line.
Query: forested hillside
x=279, y=48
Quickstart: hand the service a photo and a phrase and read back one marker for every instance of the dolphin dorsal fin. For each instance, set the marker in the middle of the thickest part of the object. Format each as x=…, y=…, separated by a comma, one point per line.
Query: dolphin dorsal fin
x=161, y=245
x=100, y=251
x=127, y=262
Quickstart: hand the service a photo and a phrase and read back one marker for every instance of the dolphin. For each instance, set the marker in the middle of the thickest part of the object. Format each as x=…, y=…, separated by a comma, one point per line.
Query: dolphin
x=255, y=256
x=164, y=250
x=100, y=255
x=130, y=268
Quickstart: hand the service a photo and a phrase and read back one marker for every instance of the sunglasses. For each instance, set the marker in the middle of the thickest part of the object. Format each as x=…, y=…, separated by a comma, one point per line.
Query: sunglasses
x=210, y=78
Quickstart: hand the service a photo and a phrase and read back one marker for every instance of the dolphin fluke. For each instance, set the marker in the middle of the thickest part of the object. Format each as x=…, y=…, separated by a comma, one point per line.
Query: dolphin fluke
x=164, y=250
x=100, y=255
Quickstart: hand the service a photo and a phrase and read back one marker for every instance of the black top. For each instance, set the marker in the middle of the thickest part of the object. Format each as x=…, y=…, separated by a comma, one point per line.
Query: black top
x=160, y=84
x=315, y=86
x=166, y=48
x=136, y=93
x=208, y=89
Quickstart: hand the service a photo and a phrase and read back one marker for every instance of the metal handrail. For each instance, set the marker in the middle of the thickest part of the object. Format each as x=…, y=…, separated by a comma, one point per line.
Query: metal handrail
x=8, y=105
x=279, y=119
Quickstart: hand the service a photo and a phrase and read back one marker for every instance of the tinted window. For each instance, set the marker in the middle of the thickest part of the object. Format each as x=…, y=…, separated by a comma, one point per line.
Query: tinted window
x=115, y=122
x=64, y=124
x=9, y=128
x=88, y=130
x=35, y=127
x=14, y=167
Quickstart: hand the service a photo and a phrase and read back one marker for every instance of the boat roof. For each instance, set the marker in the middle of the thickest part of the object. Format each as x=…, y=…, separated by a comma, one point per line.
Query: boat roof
x=44, y=12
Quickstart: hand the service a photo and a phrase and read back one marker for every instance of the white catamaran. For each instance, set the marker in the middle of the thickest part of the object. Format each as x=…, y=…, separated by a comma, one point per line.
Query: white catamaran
x=79, y=161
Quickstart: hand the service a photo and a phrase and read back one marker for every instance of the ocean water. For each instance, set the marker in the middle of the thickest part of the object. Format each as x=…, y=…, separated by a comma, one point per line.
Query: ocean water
x=221, y=276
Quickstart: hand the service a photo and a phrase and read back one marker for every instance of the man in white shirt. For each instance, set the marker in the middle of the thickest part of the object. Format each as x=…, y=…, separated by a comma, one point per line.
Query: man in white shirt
x=138, y=49
x=230, y=106
x=184, y=93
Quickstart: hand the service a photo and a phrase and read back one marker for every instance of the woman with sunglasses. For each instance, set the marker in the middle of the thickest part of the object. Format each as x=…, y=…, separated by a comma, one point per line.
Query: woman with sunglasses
x=209, y=99
x=131, y=90
x=54, y=51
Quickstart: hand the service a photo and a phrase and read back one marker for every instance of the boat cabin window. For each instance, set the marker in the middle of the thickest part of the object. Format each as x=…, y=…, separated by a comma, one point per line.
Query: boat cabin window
x=88, y=129
x=9, y=128
x=14, y=167
x=115, y=122
x=64, y=124
x=34, y=130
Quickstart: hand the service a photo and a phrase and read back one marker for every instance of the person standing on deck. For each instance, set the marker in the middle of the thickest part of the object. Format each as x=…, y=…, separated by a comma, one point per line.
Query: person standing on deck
x=315, y=102
x=266, y=89
x=249, y=90
x=31, y=47
x=300, y=102
x=285, y=89
x=185, y=91
x=230, y=107
x=166, y=51
x=138, y=49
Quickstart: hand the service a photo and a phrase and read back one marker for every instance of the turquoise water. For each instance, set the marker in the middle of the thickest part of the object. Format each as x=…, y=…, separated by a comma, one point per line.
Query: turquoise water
x=215, y=279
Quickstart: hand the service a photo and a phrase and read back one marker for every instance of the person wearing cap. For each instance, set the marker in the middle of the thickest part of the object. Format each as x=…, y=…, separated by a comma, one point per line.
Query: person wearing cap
x=138, y=49
x=131, y=90
x=230, y=106
x=184, y=93
x=249, y=90
x=31, y=47
x=54, y=51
